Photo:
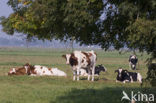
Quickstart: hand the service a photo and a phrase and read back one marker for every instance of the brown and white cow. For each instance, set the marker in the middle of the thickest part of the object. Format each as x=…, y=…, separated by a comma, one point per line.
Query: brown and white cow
x=36, y=70
x=81, y=60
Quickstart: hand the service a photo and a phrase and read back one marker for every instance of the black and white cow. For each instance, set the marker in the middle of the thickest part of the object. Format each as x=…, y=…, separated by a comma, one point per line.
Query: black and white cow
x=133, y=62
x=125, y=76
x=81, y=60
x=98, y=70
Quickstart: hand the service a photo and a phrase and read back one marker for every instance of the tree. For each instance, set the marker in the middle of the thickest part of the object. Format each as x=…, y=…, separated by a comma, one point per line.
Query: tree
x=127, y=23
x=59, y=19
x=130, y=23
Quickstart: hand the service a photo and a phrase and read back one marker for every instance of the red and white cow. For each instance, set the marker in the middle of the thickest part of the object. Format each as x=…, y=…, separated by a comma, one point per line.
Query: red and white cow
x=84, y=60
x=36, y=70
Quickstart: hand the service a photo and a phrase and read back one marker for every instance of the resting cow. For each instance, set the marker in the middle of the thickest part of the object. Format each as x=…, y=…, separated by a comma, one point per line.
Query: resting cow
x=81, y=60
x=125, y=76
x=36, y=70
x=98, y=69
x=133, y=62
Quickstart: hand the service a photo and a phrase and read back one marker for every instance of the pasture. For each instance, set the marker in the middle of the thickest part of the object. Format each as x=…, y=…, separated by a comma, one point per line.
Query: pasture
x=28, y=89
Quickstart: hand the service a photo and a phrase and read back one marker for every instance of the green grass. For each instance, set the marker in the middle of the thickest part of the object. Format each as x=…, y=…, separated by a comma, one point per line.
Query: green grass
x=27, y=89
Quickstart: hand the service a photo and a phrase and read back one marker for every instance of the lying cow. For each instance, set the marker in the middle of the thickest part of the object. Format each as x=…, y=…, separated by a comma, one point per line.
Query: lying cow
x=133, y=62
x=125, y=76
x=36, y=70
x=80, y=59
x=98, y=69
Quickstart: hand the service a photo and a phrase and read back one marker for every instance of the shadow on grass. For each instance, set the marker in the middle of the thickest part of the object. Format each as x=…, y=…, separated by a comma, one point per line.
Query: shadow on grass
x=106, y=95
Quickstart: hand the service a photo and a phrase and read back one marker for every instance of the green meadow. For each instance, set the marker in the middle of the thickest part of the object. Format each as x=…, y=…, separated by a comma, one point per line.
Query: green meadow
x=47, y=89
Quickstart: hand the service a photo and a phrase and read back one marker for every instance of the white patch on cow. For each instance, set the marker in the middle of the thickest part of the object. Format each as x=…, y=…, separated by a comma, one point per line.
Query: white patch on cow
x=120, y=70
x=42, y=70
x=131, y=79
x=26, y=68
x=139, y=77
x=68, y=57
x=133, y=65
x=57, y=72
x=13, y=70
x=133, y=57
x=83, y=72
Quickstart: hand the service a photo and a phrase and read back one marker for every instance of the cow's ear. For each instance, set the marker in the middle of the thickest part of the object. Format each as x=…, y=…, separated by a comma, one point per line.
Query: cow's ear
x=27, y=64
x=64, y=56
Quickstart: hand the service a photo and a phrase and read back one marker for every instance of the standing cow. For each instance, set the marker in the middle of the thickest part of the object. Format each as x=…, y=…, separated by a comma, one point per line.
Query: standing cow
x=84, y=60
x=133, y=62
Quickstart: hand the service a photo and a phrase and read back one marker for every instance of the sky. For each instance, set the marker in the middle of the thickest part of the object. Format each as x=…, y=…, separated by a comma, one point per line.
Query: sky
x=5, y=10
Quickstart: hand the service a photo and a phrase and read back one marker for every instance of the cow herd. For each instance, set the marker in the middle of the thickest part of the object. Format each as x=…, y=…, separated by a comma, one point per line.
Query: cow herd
x=82, y=64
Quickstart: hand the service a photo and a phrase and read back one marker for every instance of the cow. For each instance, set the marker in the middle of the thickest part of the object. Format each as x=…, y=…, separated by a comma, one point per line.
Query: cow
x=38, y=70
x=81, y=60
x=125, y=76
x=100, y=68
x=133, y=62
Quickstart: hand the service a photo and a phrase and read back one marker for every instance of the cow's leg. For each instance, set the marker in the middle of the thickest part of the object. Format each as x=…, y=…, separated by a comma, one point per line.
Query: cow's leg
x=78, y=72
x=130, y=65
x=89, y=72
x=93, y=72
x=74, y=74
x=131, y=79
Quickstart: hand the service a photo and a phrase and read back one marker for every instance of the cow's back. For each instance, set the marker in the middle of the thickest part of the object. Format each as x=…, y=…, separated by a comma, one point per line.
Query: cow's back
x=86, y=58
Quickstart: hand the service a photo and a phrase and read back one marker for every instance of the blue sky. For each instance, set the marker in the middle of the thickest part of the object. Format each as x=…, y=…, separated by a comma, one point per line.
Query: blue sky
x=5, y=10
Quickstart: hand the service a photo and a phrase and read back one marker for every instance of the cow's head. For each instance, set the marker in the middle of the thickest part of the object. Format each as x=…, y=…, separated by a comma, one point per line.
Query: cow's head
x=102, y=68
x=26, y=66
x=119, y=71
x=67, y=57
x=29, y=68
x=99, y=68
x=12, y=71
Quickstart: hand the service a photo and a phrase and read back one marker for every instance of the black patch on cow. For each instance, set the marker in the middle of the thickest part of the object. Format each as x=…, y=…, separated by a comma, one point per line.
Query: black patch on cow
x=133, y=75
x=82, y=61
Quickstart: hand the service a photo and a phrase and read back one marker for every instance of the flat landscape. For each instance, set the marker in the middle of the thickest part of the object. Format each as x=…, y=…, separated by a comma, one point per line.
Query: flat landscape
x=46, y=89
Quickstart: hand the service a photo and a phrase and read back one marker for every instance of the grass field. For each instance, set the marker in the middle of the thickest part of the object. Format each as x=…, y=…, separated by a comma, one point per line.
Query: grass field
x=27, y=89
